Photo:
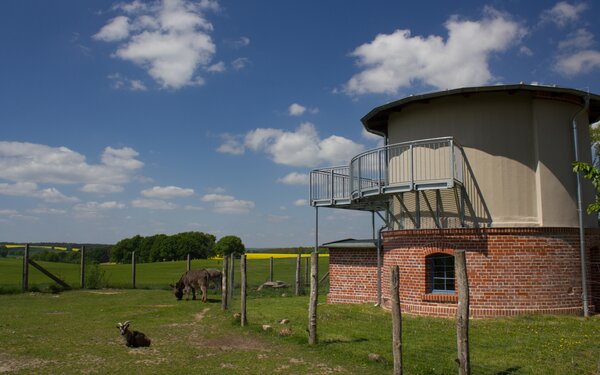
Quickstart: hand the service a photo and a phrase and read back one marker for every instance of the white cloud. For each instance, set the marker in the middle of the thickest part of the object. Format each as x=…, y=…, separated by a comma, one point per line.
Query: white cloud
x=216, y=68
x=231, y=145
x=216, y=197
x=19, y=189
x=303, y=147
x=167, y=192
x=153, y=204
x=101, y=188
x=8, y=212
x=30, y=189
x=115, y=30
x=240, y=63
x=580, y=62
x=295, y=178
x=370, y=136
x=296, y=109
x=169, y=39
x=563, y=13
x=47, y=211
x=575, y=55
x=120, y=82
x=394, y=61
x=227, y=204
x=98, y=206
x=243, y=41
x=577, y=40
x=301, y=202
x=525, y=51
x=35, y=163
x=52, y=195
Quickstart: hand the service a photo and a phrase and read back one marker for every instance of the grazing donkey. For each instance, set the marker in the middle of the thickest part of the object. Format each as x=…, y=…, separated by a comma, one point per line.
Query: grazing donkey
x=190, y=281
x=215, y=276
x=132, y=338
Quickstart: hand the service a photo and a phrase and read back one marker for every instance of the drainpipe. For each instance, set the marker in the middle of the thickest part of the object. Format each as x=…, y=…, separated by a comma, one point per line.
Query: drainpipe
x=584, y=283
x=379, y=264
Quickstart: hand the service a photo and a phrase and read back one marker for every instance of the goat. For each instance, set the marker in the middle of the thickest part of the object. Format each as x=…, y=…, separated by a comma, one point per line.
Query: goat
x=132, y=338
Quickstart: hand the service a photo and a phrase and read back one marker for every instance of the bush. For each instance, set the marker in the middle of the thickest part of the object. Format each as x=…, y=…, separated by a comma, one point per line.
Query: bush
x=95, y=277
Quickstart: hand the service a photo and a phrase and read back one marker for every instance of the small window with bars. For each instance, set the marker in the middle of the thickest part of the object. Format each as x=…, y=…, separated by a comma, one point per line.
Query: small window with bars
x=440, y=273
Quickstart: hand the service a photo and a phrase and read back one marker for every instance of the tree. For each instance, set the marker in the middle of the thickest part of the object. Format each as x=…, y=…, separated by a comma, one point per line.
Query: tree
x=593, y=174
x=229, y=245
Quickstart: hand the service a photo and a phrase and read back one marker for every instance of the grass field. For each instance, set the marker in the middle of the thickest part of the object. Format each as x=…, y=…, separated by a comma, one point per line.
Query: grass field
x=74, y=332
x=148, y=275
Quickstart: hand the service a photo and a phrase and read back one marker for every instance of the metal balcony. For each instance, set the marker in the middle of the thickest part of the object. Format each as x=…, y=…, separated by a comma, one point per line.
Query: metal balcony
x=430, y=164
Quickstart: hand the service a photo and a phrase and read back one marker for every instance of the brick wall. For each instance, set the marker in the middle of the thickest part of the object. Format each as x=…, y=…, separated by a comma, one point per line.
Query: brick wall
x=511, y=270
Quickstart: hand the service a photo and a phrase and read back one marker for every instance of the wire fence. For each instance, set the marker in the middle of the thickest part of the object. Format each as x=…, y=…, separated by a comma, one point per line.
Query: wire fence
x=261, y=268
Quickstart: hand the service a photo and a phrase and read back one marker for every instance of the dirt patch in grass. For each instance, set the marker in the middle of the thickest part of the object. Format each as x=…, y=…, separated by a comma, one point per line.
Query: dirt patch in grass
x=235, y=343
x=106, y=292
x=10, y=363
x=199, y=316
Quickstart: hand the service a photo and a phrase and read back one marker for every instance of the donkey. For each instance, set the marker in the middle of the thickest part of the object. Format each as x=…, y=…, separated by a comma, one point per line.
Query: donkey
x=190, y=281
x=215, y=276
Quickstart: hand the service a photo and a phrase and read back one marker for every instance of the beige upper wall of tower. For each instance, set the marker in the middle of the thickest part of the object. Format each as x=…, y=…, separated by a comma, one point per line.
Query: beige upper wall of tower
x=520, y=148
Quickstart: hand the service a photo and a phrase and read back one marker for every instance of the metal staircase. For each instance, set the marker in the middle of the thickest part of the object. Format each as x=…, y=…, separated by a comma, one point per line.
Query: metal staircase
x=424, y=183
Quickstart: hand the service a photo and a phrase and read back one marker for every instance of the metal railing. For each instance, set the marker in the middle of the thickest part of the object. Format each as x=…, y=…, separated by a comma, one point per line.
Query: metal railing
x=417, y=165
x=329, y=184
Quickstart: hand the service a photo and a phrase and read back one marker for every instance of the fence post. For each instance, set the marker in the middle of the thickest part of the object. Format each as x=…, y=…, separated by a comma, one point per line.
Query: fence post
x=462, y=313
x=133, y=269
x=396, y=321
x=189, y=262
x=224, y=283
x=231, y=278
x=82, y=278
x=298, y=281
x=314, y=295
x=306, y=270
x=271, y=269
x=243, y=319
x=25, y=280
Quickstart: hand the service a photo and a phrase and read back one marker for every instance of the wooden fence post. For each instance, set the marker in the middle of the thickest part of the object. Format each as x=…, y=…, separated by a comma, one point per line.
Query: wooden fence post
x=82, y=278
x=396, y=321
x=306, y=270
x=25, y=279
x=462, y=313
x=189, y=262
x=224, y=283
x=231, y=278
x=314, y=295
x=244, y=320
x=298, y=280
x=133, y=269
x=271, y=269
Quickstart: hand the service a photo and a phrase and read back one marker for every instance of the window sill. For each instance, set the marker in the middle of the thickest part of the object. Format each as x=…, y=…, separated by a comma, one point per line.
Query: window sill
x=440, y=297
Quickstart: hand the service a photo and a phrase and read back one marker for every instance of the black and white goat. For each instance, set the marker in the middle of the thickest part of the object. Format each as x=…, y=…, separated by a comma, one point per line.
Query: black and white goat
x=132, y=338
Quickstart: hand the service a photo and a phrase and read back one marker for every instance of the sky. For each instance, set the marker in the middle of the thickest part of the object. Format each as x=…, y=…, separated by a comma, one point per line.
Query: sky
x=125, y=118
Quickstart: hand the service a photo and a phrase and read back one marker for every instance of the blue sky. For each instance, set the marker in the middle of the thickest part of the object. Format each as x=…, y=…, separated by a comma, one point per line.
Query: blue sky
x=136, y=117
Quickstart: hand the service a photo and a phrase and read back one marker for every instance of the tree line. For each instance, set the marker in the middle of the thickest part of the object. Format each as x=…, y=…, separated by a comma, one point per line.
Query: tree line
x=161, y=247
x=156, y=248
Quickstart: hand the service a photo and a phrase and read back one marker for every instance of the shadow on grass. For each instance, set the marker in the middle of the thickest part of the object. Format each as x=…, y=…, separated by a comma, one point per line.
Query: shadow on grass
x=343, y=341
x=508, y=371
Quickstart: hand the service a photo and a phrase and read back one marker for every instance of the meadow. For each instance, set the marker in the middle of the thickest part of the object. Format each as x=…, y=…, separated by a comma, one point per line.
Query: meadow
x=151, y=275
x=74, y=332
